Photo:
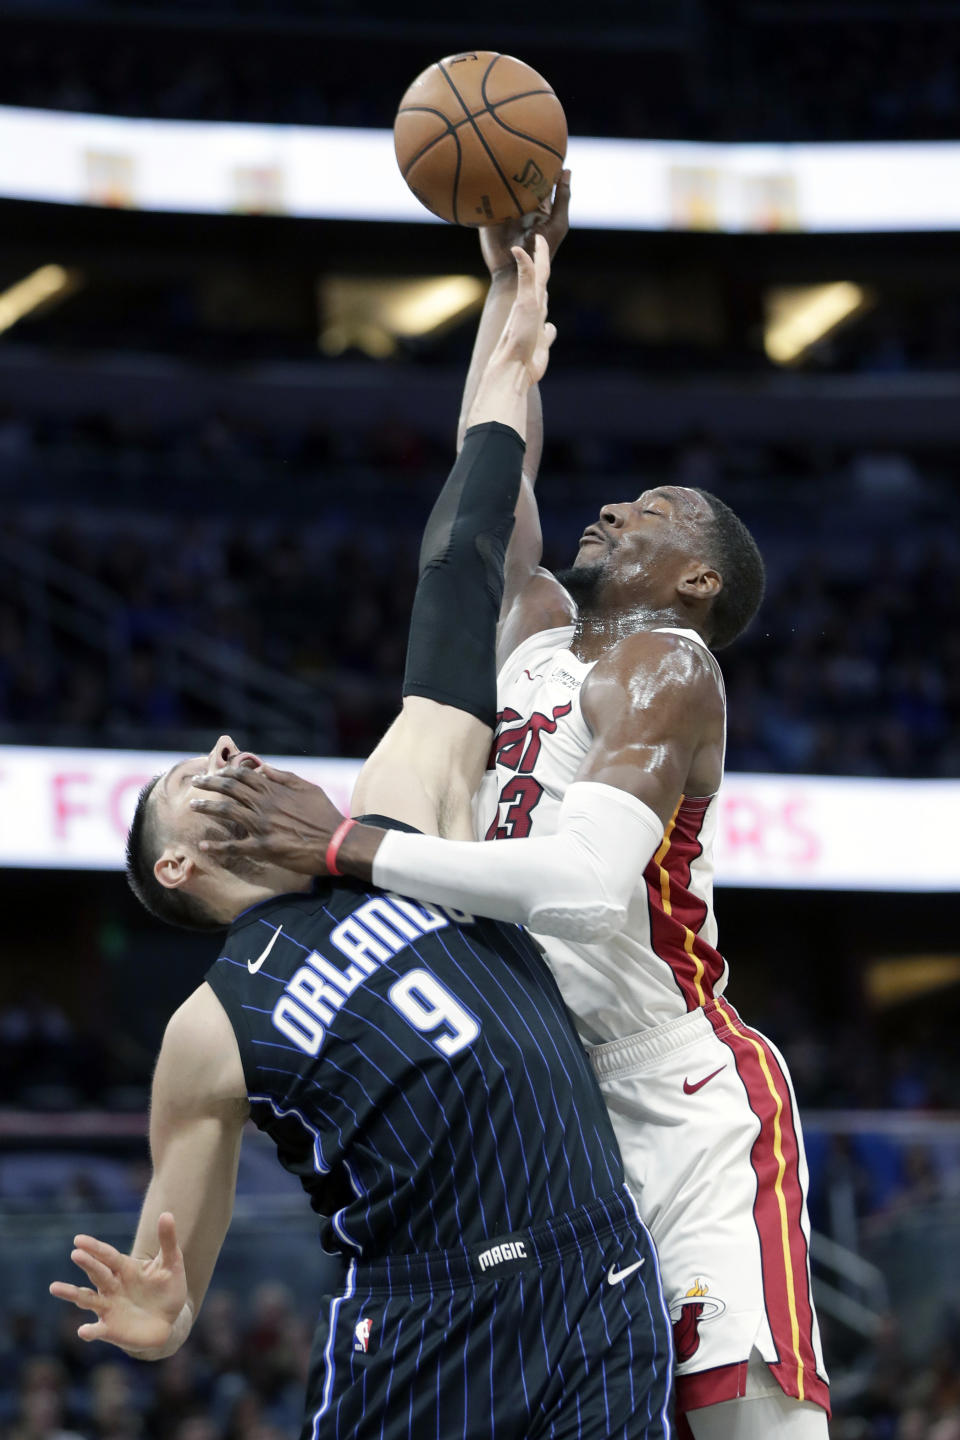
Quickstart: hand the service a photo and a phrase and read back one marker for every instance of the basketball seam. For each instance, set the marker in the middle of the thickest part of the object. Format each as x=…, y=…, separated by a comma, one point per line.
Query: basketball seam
x=493, y=159
x=427, y=110
x=491, y=107
x=512, y=129
x=455, y=195
x=454, y=125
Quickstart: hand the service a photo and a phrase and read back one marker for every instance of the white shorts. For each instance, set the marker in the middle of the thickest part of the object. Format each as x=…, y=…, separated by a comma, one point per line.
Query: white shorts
x=707, y=1122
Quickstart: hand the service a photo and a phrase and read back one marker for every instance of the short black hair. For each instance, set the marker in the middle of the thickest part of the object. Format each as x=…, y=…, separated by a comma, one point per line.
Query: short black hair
x=144, y=846
x=733, y=552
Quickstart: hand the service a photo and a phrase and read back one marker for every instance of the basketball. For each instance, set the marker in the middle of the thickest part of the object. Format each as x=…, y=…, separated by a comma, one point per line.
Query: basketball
x=480, y=137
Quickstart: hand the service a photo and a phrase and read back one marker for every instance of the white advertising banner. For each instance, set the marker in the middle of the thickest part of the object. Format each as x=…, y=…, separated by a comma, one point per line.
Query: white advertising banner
x=351, y=174
x=69, y=809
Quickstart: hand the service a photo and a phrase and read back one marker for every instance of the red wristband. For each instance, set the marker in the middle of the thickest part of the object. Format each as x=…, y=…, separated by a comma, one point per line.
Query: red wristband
x=333, y=849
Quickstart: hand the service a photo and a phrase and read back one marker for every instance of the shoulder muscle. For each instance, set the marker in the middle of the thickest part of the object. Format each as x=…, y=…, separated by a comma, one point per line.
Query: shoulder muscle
x=655, y=709
x=653, y=675
x=199, y=1068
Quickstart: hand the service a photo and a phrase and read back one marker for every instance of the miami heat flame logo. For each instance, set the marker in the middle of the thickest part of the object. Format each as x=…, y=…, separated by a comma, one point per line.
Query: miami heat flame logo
x=688, y=1314
x=517, y=748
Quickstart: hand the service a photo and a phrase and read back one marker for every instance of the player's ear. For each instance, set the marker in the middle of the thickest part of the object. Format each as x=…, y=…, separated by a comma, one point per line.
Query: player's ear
x=174, y=867
x=700, y=582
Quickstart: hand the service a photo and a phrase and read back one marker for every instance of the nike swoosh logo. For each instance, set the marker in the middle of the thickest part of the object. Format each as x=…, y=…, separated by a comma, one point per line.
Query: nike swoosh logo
x=689, y=1089
x=614, y=1276
x=254, y=965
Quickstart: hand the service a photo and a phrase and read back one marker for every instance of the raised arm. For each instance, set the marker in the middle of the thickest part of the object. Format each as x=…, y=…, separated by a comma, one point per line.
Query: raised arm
x=496, y=242
x=146, y=1302
x=426, y=768
x=428, y=765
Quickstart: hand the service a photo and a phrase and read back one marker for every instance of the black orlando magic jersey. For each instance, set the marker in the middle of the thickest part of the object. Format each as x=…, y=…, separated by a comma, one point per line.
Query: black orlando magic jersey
x=416, y=1068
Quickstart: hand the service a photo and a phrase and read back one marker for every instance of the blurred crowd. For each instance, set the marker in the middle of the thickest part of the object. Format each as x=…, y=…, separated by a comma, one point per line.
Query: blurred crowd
x=845, y=671
x=242, y=1373
x=240, y=1377
x=731, y=75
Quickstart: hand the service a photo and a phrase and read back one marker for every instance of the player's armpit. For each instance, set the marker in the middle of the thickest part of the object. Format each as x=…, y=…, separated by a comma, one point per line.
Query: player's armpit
x=655, y=707
x=539, y=603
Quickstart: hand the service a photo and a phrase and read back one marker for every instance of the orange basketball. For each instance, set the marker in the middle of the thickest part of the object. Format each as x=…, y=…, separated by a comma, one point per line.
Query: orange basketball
x=480, y=137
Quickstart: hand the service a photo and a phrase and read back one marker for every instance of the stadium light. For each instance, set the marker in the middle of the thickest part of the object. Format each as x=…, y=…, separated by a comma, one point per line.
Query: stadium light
x=36, y=289
x=906, y=977
x=373, y=314
x=798, y=318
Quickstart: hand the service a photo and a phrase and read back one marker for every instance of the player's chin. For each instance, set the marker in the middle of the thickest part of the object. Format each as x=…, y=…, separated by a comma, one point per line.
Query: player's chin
x=588, y=554
x=584, y=579
x=591, y=555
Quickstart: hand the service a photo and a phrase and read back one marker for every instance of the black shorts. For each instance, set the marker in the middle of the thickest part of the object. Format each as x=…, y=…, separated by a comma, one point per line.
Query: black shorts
x=558, y=1331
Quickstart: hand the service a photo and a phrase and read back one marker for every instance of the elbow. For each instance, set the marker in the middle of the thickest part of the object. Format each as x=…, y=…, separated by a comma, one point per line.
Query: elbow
x=585, y=922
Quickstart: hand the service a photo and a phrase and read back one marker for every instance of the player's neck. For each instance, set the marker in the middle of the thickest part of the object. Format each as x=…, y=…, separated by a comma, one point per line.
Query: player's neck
x=599, y=630
x=235, y=893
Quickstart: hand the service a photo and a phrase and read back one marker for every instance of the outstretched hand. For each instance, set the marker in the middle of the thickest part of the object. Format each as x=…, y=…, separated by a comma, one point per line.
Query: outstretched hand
x=527, y=336
x=136, y=1300
x=551, y=220
x=267, y=815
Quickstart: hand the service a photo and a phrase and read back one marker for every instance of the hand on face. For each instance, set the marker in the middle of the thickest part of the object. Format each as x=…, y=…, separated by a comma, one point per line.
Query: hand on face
x=551, y=221
x=268, y=816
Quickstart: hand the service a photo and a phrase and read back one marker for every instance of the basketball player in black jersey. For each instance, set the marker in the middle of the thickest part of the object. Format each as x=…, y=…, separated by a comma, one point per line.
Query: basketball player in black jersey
x=416, y=1067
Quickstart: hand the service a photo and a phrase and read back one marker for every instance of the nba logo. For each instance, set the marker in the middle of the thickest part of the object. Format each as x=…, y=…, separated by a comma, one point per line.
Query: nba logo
x=361, y=1335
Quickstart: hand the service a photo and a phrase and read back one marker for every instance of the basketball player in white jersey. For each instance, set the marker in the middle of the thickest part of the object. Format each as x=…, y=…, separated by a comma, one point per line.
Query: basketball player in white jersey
x=605, y=770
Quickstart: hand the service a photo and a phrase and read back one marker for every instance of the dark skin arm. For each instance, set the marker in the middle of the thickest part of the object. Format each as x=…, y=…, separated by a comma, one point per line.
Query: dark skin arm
x=654, y=705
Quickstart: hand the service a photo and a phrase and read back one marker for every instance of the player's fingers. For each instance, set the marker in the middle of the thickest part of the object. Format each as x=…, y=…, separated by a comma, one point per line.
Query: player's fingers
x=541, y=262
x=561, y=198
x=101, y=1275
x=225, y=852
x=93, y=1330
x=525, y=267
x=527, y=283
x=549, y=334
x=228, y=782
x=227, y=812
x=282, y=777
x=167, y=1236
x=100, y=1250
x=62, y=1291
x=80, y=1295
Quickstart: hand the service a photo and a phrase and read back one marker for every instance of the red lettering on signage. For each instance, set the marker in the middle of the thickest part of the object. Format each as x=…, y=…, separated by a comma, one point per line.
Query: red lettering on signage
x=63, y=806
x=742, y=824
x=777, y=834
x=119, y=807
x=809, y=847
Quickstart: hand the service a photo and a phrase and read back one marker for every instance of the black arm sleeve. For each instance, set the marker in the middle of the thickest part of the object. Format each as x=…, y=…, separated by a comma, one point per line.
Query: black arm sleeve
x=451, y=652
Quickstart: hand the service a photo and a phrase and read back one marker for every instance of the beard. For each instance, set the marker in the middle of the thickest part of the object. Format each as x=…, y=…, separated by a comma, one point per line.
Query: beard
x=583, y=583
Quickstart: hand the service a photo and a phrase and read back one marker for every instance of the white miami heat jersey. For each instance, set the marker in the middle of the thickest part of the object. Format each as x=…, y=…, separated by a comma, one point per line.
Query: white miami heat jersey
x=664, y=962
